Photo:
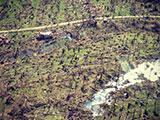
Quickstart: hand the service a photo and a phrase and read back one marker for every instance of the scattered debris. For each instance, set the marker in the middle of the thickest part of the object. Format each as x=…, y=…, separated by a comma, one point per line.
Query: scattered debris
x=103, y=96
x=45, y=36
x=3, y=39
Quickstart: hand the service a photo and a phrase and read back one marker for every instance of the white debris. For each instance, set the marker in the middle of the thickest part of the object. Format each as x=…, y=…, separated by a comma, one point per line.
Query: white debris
x=145, y=71
x=45, y=33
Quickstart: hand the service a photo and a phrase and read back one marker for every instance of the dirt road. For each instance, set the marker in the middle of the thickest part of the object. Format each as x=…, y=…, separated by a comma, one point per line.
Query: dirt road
x=75, y=22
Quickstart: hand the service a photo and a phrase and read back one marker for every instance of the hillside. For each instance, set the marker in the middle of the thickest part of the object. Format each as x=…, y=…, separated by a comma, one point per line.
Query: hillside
x=31, y=13
x=53, y=79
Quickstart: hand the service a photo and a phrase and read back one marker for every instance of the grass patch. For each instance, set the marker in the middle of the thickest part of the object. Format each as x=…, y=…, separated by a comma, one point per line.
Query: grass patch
x=35, y=2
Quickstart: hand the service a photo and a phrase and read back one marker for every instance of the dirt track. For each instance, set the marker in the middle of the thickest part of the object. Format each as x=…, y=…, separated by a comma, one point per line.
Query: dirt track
x=74, y=22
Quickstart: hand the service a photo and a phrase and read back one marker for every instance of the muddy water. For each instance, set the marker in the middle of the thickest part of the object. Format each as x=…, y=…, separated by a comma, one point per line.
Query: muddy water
x=145, y=71
x=47, y=46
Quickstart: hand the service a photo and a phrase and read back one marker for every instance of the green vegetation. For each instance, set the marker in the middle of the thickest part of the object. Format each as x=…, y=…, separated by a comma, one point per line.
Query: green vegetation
x=55, y=84
x=2, y=1
x=139, y=103
x=35, y=2
x=23, y=14
x=124, y=9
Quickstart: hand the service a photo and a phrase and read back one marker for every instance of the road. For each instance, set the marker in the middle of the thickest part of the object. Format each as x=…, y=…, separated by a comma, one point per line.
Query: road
x=75, y=22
